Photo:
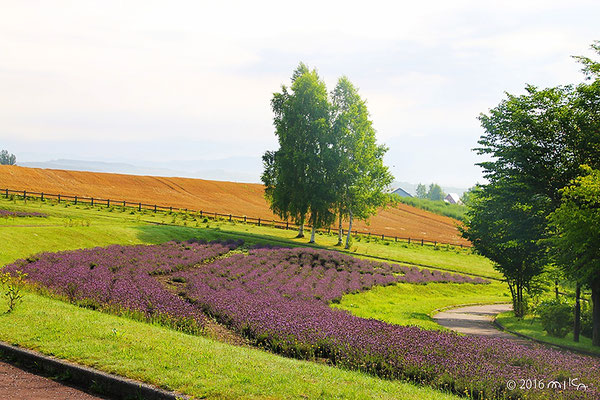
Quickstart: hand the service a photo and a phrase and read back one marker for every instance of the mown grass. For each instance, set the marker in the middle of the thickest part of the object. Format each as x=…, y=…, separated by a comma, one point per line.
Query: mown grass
x=192, y=365
x=412, y=304
x=197, y=365
x=443, y=257
x=532, y=327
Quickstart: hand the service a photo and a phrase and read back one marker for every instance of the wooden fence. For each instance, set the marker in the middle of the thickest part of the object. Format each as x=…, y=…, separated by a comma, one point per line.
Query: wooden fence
x=139, y=206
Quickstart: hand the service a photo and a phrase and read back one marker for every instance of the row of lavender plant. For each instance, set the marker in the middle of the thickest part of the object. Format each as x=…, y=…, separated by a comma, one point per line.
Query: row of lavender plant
x=278, y=298
x=7, y=214
x=119, y=278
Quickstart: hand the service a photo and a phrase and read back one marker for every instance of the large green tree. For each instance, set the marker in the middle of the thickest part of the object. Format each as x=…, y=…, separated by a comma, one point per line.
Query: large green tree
x=361, y=179
x=298, y=176
x=535, y=144
x=576, y=237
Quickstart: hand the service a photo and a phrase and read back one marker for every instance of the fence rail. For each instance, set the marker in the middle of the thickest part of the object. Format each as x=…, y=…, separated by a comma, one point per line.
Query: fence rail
x=94, y=201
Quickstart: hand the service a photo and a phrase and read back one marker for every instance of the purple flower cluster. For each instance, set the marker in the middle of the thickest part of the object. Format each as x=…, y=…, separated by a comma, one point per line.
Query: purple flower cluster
x=120, y=278
x=7, y=213
x=278, y=298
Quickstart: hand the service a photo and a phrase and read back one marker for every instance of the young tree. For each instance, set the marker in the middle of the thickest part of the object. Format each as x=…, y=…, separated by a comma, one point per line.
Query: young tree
x=6, y=158
x=421, y=191
x=505, y=229
x=298, y=175
x=362, y=179
x=576, y=237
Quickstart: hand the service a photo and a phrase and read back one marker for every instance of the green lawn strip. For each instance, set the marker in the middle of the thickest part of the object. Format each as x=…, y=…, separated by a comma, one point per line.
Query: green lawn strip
x=442, y=257
x=532, y=327
x=414, y=304
x=192, y=365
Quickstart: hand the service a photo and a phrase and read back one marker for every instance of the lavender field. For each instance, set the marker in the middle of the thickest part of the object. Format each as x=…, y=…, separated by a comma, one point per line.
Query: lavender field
x=279, y=299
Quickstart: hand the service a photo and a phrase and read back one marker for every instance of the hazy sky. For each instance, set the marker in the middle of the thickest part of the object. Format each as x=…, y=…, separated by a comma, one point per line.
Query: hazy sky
x=132, y=81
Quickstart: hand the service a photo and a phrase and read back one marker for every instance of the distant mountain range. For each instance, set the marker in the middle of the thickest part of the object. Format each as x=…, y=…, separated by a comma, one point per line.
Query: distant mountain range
x=234, y=169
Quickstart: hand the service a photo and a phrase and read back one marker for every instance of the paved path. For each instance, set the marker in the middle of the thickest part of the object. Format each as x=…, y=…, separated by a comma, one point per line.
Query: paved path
x=476, y=320
x=18, y=384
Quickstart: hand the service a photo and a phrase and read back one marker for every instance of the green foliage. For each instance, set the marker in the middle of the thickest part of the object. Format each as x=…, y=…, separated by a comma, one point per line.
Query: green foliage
x=456, y=211
x=421, y=191
x=435, y=192
x=298, y=176
x=362, y=178
x=6, y=158
x=13, y=288
x=556, y=317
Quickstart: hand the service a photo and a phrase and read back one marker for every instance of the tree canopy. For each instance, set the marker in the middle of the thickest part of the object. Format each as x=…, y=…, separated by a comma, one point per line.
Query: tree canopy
x=7, y=158
x=328, y=161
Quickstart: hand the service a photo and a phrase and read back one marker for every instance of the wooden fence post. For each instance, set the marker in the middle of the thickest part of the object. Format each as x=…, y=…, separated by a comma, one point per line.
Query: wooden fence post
x=6, y=193
x=107, y=203
x=123, y=203
x=244, y=219
x=259, y=222
x=42, y=196
x=422, y=242
x=408, y=240
x=155, y=208
x=75, y=200
x=383, y=237
x=24, y=194
x=140, y=207
x=59, y=197
x=92, y=202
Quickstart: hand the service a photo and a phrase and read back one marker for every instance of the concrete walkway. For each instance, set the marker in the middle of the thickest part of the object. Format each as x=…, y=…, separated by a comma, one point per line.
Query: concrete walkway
x=476, y=320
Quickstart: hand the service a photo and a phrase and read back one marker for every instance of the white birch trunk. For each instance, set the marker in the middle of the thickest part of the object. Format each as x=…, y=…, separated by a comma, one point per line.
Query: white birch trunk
x=349, y=230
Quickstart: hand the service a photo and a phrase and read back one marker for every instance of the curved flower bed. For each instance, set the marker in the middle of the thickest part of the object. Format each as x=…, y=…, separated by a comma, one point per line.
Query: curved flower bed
x=119, y=278
x=278, y=298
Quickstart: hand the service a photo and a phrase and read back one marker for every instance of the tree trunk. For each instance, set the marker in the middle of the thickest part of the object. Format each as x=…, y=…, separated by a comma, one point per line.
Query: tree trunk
x=556, y=289
x=577, y=317
x=349, y=230
x=340, y=231
x=596, y=314
x=312, y=233
x=301, y=229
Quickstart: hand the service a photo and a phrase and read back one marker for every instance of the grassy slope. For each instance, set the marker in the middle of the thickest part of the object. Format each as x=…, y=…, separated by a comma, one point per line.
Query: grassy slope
x=192, y=365
x=532, y=327
x=455, y=211
x=409, y=304
x=75, y=227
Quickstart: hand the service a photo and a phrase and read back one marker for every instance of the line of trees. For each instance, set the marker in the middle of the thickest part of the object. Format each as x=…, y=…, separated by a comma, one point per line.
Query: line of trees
x=328, y=164
x=434, y=193
x=7, y=158
x=539, y=213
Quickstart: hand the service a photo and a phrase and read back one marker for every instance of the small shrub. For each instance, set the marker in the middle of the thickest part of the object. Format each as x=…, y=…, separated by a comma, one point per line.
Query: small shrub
x=556, y=317
x=13, y=288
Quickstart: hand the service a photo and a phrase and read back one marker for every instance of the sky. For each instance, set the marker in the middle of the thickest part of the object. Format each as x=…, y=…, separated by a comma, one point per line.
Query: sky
x=169, y=81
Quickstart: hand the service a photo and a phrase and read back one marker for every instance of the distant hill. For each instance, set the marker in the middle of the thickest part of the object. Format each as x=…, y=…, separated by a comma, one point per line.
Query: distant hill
x=210, y=195
x=237, y=169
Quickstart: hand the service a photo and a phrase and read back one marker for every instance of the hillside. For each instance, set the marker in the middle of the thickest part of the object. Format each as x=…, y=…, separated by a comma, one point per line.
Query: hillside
x=224, y=197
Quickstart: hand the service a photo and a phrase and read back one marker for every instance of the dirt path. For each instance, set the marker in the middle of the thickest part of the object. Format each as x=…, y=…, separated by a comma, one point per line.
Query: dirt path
x=476, y=320
x=18, y=384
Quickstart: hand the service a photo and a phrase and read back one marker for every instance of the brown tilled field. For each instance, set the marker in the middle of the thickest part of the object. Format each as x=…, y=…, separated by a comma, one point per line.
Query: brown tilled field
x=216, y=196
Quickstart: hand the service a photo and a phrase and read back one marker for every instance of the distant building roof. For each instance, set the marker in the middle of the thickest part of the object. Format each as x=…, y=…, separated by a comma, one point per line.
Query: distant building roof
x=401, y=192
x=452, y=198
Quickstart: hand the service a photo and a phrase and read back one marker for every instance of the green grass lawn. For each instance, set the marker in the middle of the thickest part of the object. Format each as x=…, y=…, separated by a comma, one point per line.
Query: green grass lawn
x=192, y=365
x=198, y=365
x=442, y=257
x=532, y=327
x=413, y=304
